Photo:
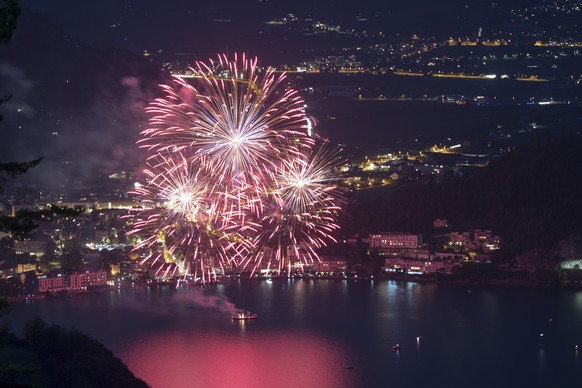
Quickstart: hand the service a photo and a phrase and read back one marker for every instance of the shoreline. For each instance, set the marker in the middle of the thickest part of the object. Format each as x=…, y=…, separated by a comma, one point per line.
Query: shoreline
x=383, y=277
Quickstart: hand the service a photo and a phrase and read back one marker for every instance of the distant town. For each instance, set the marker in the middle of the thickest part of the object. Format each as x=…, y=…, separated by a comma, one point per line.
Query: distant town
x=92, y=249
x=89, y=248
x=537, y=43
x=536, y=47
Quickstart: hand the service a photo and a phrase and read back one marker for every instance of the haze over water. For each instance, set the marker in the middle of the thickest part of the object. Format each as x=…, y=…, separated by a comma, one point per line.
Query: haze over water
x=333, y=334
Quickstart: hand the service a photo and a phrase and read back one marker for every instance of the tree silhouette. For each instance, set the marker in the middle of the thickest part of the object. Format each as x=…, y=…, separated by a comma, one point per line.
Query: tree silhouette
x=9, y=13
x=8, y=16
x=24, y=222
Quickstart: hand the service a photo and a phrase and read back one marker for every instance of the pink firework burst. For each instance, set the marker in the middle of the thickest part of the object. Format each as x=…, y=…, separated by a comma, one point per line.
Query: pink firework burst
x=233, y=178
x=184, y=222
x=233, y=117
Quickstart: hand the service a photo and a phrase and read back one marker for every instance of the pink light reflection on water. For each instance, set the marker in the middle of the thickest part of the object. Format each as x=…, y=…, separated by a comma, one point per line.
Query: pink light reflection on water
x=275, y=359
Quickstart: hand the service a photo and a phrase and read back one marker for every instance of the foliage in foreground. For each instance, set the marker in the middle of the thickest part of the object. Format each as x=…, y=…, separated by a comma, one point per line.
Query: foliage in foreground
x=62, y=358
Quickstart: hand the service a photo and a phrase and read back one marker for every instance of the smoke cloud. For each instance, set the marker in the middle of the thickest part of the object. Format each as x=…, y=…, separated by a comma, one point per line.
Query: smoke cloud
x=82, y=110
x=188, y=302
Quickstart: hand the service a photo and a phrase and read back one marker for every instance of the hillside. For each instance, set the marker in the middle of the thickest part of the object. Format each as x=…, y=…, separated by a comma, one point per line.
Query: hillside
x=51, y=356
x=531, y=197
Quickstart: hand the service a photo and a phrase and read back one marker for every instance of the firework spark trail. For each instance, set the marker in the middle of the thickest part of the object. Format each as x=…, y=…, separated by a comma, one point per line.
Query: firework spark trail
x=233, y=178
x=182, y=224
x=302, y=217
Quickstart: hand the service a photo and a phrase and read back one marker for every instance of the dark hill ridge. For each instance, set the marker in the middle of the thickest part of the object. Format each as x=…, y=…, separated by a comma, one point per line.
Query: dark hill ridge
x=51, y=356
x=531, y=197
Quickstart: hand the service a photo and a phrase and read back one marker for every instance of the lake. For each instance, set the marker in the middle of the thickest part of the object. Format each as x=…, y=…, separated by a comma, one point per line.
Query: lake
x=332, y=333
x=370, y=124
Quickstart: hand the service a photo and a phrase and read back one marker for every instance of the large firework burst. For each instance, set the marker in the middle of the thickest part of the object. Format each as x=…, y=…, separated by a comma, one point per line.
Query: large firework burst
x=233, y=118
x=233, y=176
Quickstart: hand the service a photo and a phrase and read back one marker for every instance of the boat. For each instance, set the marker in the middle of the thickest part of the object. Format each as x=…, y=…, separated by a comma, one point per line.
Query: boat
x=396, y=348
x=244, y=316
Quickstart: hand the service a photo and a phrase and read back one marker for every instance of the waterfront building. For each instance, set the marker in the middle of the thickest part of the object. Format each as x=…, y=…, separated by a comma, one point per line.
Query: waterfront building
x=418, y=267
x=331, y=265
x=82, y=280
x=398, y=245
x=54, y=283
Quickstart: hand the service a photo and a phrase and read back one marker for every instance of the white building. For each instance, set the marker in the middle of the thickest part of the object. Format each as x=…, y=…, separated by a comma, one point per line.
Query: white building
x=330, y=264
x=418, y=267
x=395, y=240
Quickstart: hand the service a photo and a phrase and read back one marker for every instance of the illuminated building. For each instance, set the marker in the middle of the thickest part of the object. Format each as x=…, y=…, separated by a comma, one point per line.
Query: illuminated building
x=395, y=240
x=82, y=280
x=418, y=267
x=52, y=283
x=330, y=264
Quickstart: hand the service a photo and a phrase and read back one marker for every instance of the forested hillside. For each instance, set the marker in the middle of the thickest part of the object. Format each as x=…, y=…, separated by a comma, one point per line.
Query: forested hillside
x=532, y=197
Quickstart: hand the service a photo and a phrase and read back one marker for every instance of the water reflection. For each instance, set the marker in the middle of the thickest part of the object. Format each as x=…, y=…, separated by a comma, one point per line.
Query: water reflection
x=243, y=324
x=274, y=359
x=299, y=292
x=541, y=357
x=332, y=334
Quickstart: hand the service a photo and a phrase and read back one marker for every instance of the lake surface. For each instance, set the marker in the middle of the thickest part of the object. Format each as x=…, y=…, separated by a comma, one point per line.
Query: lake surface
x=370, y=124
x=333, y=333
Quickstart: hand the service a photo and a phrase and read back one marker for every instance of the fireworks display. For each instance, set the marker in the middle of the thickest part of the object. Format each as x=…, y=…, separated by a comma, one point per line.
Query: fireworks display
x=234, y=180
